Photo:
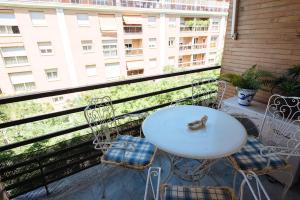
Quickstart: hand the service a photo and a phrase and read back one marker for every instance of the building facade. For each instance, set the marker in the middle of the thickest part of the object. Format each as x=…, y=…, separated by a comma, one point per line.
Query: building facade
x=54, y=44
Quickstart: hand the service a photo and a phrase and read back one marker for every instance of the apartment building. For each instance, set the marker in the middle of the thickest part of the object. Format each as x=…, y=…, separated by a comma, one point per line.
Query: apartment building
x=53, y=44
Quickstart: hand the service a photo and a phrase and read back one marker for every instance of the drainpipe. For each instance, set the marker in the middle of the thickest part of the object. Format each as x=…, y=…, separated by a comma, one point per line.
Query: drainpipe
x=234, y=33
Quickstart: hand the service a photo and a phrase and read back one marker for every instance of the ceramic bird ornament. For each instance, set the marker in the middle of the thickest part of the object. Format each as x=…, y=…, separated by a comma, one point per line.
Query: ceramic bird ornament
x=198, y=124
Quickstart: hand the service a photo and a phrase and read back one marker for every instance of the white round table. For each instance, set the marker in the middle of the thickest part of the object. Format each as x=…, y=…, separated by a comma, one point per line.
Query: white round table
x=167, y=128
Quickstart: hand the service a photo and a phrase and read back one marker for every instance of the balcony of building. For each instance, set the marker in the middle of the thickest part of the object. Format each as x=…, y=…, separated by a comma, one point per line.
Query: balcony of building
x=132, y=24
x=194, y=60
x=59, y=161
x=192, y=44
x=133, y=47
x=182, y=5
x=193, y=24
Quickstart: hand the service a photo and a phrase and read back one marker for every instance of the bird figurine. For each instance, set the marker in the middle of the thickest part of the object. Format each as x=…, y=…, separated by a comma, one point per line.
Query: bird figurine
x=198, y=124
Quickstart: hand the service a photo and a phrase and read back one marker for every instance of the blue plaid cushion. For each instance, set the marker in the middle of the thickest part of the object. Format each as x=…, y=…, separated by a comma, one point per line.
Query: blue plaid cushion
x=137, y=153
x=173, y=192
x=249, y=157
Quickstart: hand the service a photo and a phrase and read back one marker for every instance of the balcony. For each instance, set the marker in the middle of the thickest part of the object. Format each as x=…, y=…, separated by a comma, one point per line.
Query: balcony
x=133, y=51
x=191, y=64
x=193, y=28
x=204, y=6
x=187, y=47
x=133, y=29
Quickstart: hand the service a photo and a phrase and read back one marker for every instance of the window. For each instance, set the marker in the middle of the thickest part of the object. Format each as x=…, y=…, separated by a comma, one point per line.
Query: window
x=87, y=45
x=52, y=74
x=112, y=70
x=91, y=70
x=151, y=20
x=152, y=42
x=9, y=30
x=211, y=60
x=14, y=56
x=213, y=41
x=22, y=81
x=135, y=72
x=171, y=41
x=57, y=99
x=128, y=45
x=212, y=53
x=38, y=18
x=153, y=63
x=8, y=24
x=83, y=19
x=109, y=48
x=45, y=48
x=171, y=60
x=172, y=22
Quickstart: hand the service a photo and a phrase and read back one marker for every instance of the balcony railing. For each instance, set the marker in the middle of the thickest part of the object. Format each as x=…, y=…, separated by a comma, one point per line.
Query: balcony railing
x=193, y=63
x=133, y=51
x=193, y=28
x=133, y=29
x=186, y=47
x=200, y=5
x=25, y=172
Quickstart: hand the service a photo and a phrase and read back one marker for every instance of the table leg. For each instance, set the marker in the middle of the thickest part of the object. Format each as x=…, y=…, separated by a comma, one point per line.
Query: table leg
x=191, y=170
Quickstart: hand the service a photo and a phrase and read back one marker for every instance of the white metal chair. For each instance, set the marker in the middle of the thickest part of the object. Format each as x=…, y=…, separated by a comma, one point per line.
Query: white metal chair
x=119, y=150
x=201, y=93
x=154, y=190
x=278, y=140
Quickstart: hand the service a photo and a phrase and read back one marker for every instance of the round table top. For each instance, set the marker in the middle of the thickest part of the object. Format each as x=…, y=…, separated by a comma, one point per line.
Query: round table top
x=167, y=128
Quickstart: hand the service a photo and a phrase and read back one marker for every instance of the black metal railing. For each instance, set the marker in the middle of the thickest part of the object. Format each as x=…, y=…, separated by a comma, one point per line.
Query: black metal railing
x=25, y=172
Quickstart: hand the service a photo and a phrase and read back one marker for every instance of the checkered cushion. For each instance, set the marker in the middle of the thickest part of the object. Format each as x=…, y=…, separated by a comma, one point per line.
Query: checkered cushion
x=137, y=155
x=173, y=192
x=249, y=157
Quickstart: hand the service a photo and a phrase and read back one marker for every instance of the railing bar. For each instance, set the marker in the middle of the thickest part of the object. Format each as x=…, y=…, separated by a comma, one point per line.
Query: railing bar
x=61, y=132
x=12, y=167
x=79, y=109
x=24, y=97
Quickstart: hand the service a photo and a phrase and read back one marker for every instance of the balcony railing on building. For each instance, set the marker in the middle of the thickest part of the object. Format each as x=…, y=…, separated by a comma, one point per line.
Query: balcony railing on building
x=133, y=29
x=193, y=28
x=198, y=5
x=186, y=47
x=133, y=51
x=191, y=64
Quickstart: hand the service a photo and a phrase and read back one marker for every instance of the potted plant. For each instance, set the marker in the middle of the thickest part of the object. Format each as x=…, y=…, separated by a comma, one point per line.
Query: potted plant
x=288, y=85
x=248, y=83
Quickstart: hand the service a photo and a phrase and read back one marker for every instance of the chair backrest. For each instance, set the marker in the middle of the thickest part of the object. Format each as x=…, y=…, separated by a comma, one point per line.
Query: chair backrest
x=100, y=116
x=258, y=191
x=201, y=92
x=281, y=123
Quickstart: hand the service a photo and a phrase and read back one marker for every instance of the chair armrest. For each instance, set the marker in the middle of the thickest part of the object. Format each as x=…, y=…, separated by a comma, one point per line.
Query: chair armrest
x=154, y=174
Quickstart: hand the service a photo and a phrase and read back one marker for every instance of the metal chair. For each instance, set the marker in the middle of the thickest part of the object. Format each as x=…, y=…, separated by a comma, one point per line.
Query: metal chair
x=154, y=190
x=277, y=142
x=202, y=95
x=119, y=150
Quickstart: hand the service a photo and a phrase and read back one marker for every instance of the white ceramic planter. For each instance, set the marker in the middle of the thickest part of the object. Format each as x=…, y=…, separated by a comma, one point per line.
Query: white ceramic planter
x=245, y=96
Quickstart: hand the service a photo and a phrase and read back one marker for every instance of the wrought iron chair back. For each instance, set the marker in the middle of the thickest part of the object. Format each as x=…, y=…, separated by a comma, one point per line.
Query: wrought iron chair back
x=250, y=179
x=201, y=93
x=100, y=116
x=281, y=124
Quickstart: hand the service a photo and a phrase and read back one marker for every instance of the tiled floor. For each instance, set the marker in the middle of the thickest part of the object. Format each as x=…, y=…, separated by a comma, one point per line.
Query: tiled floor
x=124, y=184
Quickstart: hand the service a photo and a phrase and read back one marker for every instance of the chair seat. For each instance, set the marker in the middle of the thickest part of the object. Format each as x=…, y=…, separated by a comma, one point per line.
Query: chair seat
x=138, y=154
x=249, y=158
x=173, y=192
